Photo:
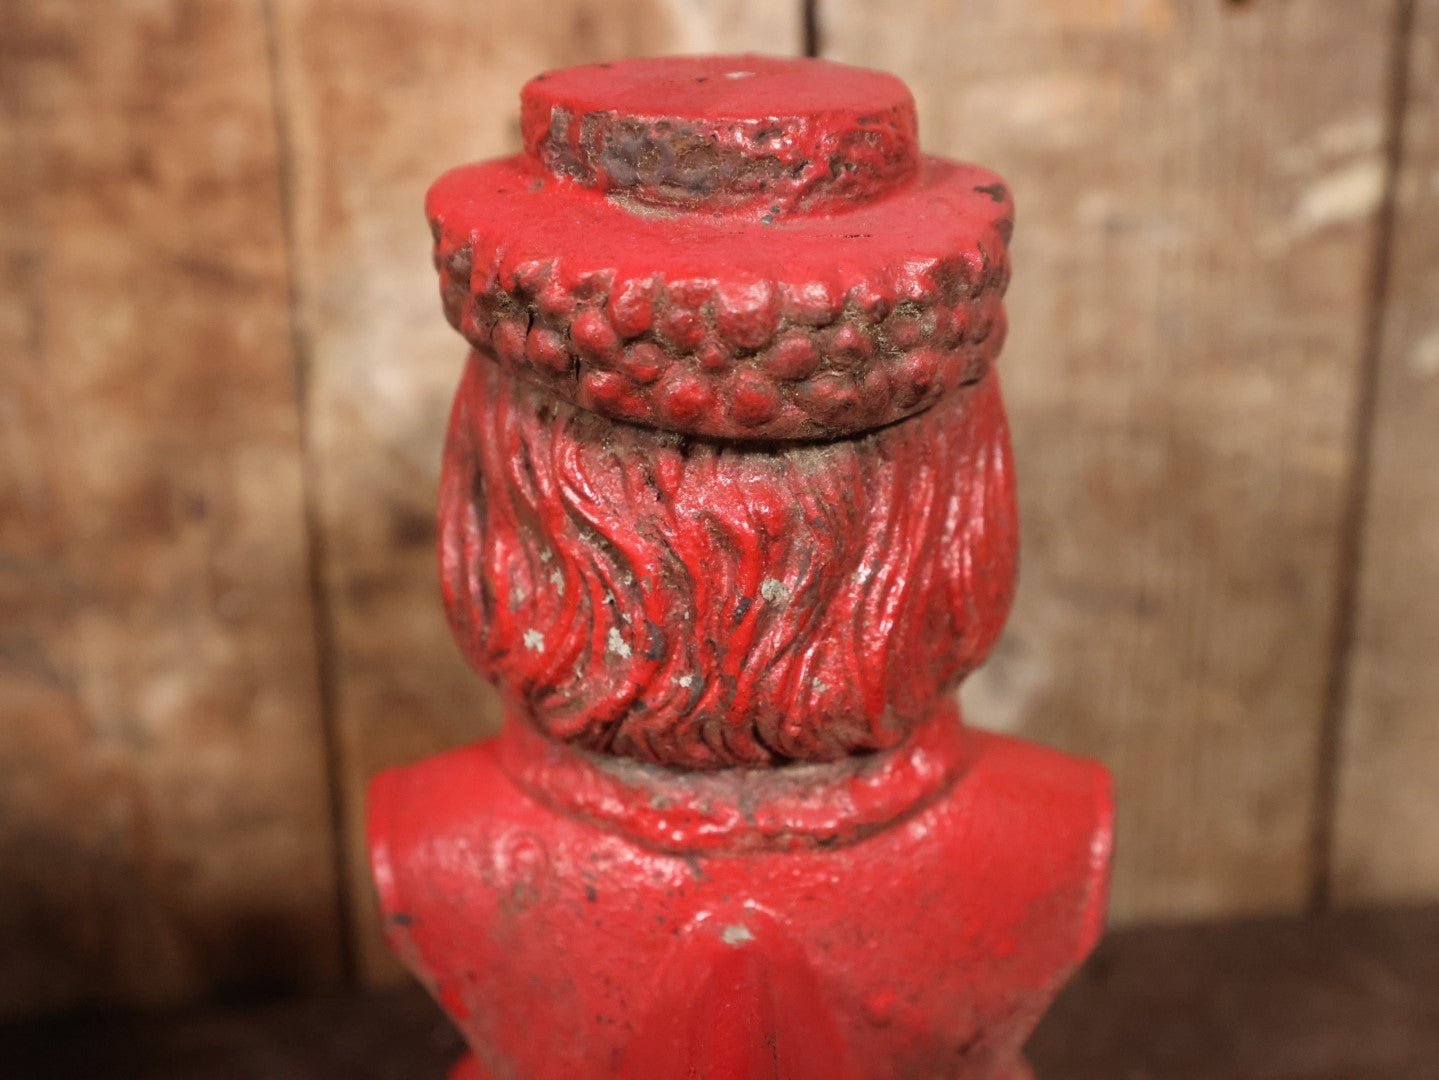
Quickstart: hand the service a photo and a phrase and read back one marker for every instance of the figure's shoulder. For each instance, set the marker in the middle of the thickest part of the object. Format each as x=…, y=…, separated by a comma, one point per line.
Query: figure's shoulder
x=418, y=816
x=1008, y=769
x=456, y=787
x=1027, y=819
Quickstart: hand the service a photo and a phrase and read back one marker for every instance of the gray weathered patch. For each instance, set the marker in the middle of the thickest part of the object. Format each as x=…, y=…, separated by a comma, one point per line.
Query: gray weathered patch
x=736, y=934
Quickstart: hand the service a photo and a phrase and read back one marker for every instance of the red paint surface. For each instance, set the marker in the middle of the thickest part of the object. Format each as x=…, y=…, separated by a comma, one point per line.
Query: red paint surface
x=839, y=296
x=727, y=513
x=565, y=948
x=693, y=604
x=746, y=134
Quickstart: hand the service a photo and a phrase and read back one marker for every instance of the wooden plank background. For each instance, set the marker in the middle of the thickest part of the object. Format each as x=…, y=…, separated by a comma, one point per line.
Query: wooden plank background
x=1197, y=186
x=1386, y=838
x=164, y=830
x=226, y=380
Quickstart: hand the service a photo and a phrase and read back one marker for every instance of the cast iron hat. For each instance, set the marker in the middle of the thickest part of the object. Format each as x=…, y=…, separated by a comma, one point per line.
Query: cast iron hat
x=742, y=247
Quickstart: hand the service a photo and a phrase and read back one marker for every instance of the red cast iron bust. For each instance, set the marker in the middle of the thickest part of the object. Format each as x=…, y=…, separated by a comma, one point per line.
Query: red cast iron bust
x=727, y=513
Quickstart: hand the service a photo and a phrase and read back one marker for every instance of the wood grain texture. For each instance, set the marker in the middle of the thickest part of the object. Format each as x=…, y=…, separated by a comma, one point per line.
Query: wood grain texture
x=1197, y=185
x=1386, y=843
x=380, y=97
x=164, y=831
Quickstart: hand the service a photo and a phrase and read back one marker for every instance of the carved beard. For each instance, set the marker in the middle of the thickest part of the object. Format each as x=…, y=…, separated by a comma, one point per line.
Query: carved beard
x=703, y=604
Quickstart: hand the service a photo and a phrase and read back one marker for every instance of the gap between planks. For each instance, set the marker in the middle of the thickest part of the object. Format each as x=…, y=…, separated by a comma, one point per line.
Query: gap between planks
x=321, y=602
x=1355, y=504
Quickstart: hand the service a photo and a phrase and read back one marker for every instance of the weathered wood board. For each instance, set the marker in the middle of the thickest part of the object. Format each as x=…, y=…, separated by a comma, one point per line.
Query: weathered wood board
x=1197, y=185
x=1386, y=838
x=380, y=97
x=164, y=830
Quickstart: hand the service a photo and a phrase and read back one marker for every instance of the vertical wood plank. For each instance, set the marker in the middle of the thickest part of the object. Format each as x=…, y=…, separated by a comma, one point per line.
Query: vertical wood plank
x=1197, y=185
x=163, y=822
x=1386, y=838
x=381, y=96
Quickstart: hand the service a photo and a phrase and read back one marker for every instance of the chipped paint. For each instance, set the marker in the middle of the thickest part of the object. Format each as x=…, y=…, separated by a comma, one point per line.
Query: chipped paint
x=617, y=645
x=736, y=934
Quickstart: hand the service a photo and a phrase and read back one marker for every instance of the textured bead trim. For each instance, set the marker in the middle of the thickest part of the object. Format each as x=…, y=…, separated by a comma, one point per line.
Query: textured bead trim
x=738, y=359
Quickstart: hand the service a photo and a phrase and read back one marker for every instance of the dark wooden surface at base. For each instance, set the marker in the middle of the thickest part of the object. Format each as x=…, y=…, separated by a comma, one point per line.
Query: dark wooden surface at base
x=1344, y=997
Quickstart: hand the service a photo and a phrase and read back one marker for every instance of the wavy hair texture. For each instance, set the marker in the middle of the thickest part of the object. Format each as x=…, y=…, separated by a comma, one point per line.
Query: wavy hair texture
x=702, y=604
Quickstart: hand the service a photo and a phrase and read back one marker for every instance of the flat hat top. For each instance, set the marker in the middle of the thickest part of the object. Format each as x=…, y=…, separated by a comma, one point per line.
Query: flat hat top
x=720, y=87
x=742, y=247
x=749, y=134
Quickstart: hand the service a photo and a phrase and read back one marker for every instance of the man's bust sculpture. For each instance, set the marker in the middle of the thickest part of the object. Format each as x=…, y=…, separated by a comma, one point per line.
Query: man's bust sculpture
x=727, y=513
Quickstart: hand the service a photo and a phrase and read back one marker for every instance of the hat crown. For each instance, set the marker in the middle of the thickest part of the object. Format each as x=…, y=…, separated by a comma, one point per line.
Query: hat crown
x=752, y=135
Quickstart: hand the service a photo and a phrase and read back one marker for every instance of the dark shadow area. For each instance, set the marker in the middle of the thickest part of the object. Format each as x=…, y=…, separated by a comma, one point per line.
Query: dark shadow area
x=1339, y=997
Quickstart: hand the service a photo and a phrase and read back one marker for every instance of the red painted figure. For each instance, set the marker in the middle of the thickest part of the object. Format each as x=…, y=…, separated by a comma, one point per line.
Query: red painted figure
x=727, y=513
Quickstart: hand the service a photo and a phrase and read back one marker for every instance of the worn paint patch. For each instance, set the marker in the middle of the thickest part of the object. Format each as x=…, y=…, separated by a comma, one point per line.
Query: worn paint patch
x=616, y=644
x=736, y=934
